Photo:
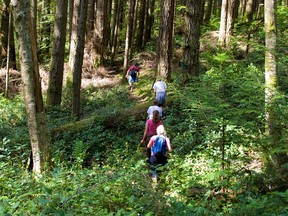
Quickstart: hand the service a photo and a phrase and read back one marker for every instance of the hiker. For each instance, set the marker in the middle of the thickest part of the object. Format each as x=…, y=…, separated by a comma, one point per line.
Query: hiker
x=154, y=107
x=132, y=75
x=150, y=130
x=160, y=92
x=159, y=144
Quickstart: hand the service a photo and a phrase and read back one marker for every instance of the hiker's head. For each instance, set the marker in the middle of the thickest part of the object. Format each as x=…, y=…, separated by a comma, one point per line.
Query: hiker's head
x=161, y=130
x=155, y=102
x=155, y=117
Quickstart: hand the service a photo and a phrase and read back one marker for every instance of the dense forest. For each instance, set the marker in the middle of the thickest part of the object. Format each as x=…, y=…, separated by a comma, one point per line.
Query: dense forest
x=71, y=130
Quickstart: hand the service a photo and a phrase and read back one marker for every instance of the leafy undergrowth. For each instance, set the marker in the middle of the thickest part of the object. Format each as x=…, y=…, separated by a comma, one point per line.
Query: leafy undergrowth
x=216, y=168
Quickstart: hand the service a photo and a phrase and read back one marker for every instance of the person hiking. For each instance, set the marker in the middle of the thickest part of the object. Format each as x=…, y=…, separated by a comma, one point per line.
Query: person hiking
x=132, y=75
x=154, y=107
x=150, y=130
x=160, y=92
x=159, y=144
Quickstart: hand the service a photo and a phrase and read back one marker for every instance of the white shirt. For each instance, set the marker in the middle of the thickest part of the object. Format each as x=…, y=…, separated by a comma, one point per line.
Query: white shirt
x=160, y=86
x=151, y=110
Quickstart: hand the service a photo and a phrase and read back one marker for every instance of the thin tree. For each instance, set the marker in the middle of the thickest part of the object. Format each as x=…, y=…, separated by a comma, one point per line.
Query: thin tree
x=90, y=19
x=141, y=24
x=5, y=30
x=129, y=31
x=270, y=63
x=223, y=22
x=208, y=11
x=54, y=93
x=38, y=131
x=77, y=52
x=149, y=21
x=165, y=48
x=100, y=29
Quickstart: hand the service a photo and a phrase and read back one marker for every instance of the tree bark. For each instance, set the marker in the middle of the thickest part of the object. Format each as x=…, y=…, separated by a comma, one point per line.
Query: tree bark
x=230, y=19
x=208, y=11
x=77, y=52
x=4, y=32
x=193, y=19
x=100, y=29
x=129, y=30
x=149, y=21
x=90, y=19
x=54, y=93
x=115, y=28
x=223, y=23
x=270, y=61
x=38, y=131
x=140, y=32
x=165, y=42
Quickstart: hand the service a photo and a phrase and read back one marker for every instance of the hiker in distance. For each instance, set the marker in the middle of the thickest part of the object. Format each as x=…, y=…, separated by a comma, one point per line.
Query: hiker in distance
x=159, y=144
x=132, y=75
x=160, y=91
x=154, y=107
x=150, y=130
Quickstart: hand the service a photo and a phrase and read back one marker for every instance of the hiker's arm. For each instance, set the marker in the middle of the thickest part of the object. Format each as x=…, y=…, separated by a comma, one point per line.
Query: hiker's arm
x=168, y=144
x=150, y=144
x=145, y=133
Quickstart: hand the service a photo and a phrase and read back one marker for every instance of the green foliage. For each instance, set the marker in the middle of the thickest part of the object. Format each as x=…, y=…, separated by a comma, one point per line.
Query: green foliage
x=216, y=125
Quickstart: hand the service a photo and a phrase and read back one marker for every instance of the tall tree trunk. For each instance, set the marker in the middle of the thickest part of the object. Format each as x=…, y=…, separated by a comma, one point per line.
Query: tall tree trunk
x=149, y=21
x=54, y=93
x=100, y=29
x=223, y=23
x=90, y=19
x=250, y=10
x=115, y=28
x=34, y=9
x=129, y=30
x=140, y=32
x=191, y=50
x=270, y=61
x=39, y=136
x=208, y=11
x=70, y=16
x=107, y=23
x=277, y=162
x=165, y=39
x=4, y=32
x=230, y=20
x=134, y=28
x=77, y=52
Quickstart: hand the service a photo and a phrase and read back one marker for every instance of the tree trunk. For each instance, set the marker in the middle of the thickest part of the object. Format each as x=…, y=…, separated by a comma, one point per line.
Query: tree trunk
x=230, y=20
x=70, y=12
x=250, y=10
x=277, y=162
x=77, y=52
x=107, y=35
x=4, y=32
x=54, y=93
x=165, y=39
x=208, y=11
x=191, y=50
x=140, y=32
x=100, y=29
x=223, y=23
x=129, y=30
x=38, y=131
x=115, y=28
x=149, y=21
x=90, y=19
